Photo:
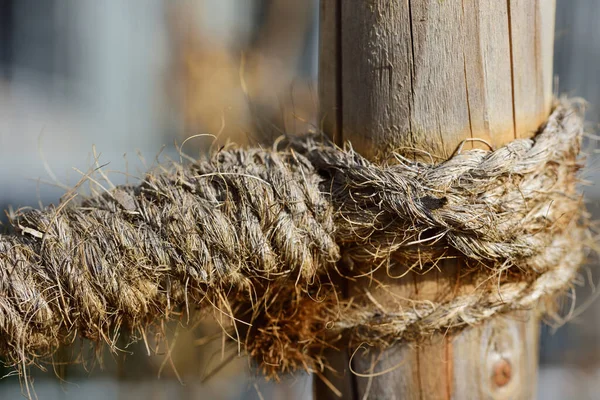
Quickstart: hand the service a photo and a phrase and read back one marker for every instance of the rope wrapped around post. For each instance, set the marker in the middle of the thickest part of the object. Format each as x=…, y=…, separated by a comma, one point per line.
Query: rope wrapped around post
x=264, y=236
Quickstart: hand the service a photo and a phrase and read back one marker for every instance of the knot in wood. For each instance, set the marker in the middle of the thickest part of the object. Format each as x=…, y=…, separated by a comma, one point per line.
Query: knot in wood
x=502, y=372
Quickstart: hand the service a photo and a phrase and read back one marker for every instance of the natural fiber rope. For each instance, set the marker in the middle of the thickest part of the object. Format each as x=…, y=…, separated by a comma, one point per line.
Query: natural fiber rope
x=266, y=236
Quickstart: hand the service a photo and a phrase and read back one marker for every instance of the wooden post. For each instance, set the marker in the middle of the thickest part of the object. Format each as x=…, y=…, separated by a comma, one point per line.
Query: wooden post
x=428, y=74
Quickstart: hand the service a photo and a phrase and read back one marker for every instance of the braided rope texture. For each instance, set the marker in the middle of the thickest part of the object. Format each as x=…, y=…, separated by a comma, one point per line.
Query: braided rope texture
x=268, y=237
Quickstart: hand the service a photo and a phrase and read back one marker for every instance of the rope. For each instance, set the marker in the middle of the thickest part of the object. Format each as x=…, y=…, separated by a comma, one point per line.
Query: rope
x=268, y=238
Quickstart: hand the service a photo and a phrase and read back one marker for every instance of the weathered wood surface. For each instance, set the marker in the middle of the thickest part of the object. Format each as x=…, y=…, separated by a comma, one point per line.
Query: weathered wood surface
x=426, y=75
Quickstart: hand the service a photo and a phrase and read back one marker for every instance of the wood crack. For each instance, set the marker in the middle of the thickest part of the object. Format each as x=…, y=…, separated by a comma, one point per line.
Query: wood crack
x=512, y=68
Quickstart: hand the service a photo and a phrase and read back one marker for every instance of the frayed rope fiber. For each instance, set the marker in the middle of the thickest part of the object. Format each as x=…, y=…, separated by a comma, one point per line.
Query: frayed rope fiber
x=265, y=237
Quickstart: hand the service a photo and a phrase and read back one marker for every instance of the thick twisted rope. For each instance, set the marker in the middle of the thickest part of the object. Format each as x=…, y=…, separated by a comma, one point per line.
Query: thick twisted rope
x=265, y=236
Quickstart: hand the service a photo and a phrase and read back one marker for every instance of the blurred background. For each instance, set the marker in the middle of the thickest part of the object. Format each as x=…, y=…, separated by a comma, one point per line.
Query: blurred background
x=122, y=81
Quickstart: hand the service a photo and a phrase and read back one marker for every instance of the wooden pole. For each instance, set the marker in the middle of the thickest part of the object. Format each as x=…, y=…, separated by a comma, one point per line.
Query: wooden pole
x=428, y=74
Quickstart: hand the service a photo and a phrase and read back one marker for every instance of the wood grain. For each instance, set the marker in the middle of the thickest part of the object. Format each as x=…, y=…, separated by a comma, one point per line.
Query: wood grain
x=426, y=75
x=330, y=109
